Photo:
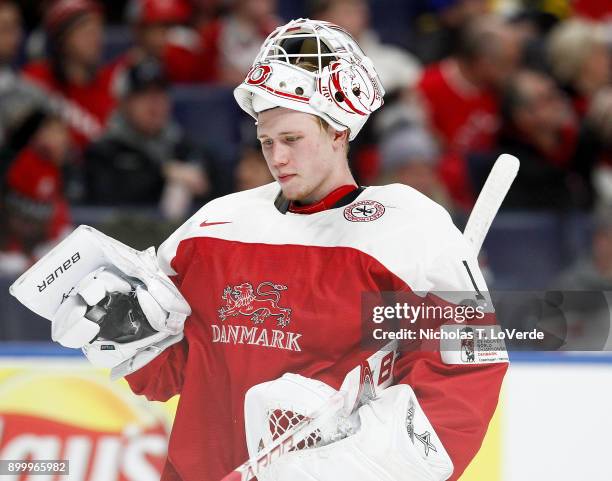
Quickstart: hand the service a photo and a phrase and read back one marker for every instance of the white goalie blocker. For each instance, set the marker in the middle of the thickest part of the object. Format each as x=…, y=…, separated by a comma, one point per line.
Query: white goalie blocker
x=100, y=295
x=387, y=438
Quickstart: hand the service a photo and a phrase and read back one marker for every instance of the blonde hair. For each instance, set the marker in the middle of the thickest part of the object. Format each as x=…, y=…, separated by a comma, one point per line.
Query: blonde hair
x=570, y=44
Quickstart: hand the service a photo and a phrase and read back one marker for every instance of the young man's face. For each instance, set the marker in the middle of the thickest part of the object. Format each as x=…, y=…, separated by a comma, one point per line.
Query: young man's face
x=300, y=154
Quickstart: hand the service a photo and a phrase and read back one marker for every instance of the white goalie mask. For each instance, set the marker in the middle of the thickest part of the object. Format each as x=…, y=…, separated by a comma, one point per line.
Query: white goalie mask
x=313, y=67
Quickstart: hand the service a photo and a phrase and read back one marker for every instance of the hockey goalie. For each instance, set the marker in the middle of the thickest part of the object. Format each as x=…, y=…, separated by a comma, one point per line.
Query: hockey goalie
x=251, y=311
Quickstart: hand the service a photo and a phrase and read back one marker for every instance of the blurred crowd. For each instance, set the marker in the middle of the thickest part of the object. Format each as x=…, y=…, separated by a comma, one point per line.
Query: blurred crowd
x=465, y=80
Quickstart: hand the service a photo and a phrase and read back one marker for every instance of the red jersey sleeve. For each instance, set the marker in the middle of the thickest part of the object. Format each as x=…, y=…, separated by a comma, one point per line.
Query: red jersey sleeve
x=163, y=377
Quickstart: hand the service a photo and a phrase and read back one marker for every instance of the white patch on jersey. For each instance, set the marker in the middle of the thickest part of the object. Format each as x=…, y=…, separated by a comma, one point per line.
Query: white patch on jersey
x=364, y=211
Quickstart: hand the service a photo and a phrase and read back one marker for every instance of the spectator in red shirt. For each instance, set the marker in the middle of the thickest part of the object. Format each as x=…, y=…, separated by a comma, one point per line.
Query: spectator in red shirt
x=232, y=42
x=162, y=31
x=34, y=213
x=459, y=97
x=81, y=91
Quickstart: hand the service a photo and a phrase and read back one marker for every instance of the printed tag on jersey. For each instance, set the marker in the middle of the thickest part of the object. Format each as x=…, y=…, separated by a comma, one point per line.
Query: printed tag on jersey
x=472, y=345
x=364, y=211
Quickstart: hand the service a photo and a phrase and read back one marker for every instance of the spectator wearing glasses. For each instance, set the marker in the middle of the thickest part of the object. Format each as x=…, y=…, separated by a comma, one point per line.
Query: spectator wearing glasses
x=461, y=99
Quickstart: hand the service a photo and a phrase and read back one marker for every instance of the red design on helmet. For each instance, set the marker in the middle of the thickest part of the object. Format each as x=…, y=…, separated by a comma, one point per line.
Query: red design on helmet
x=350, y=87
x=258, y=74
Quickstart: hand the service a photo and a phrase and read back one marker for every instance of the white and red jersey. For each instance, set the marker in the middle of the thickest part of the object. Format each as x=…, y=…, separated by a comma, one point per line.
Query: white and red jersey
x=239, y=253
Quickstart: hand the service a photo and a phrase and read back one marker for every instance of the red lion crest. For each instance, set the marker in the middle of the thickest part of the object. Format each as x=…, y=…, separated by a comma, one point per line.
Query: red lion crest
x=242, y=300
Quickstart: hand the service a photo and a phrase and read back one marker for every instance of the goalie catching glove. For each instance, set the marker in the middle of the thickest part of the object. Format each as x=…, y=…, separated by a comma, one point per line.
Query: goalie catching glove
x=106, y=298
x=389, y=438
x=113, y=319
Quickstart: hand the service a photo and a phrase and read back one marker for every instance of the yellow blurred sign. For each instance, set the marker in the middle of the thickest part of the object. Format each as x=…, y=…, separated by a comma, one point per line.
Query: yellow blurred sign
x=68, y=410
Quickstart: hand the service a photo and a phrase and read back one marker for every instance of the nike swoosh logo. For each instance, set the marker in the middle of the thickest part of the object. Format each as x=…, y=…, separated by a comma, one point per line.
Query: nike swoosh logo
x=206, y=224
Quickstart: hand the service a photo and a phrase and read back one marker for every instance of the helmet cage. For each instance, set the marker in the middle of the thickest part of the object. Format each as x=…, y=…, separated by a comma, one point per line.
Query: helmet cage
x=330, y=40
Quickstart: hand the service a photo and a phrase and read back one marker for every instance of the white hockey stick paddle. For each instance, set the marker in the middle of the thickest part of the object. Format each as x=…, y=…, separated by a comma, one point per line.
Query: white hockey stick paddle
x=490, y=199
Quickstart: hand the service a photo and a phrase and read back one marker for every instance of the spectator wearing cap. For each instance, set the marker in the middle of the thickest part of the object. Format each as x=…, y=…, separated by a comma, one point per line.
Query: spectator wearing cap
x=580, y=60
x=162, y=31
x=143, y=157
x=409, y=155
x=34, y=213
x=232, y=41
x=81, y=90
x=460, y=99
